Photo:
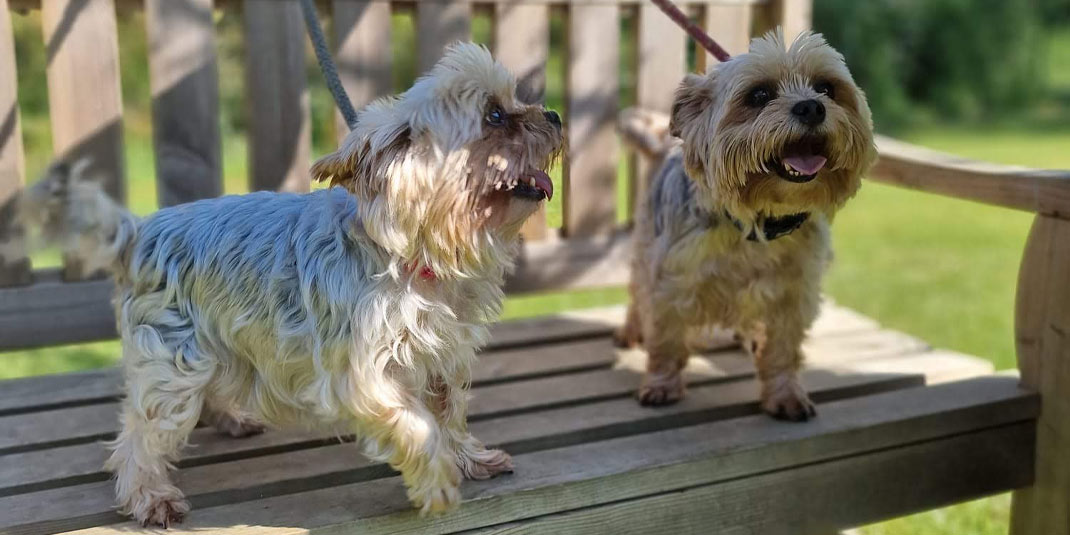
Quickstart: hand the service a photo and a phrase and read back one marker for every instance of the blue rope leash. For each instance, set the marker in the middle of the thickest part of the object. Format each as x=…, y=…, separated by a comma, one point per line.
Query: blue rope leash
x=327, y=66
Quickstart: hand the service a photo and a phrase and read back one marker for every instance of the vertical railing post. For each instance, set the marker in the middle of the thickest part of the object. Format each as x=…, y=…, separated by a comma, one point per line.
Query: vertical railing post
x=522, y=44
x=439, y=23
x=185, y=100
x=14, y=265
x=590, y=201
x=363, y=52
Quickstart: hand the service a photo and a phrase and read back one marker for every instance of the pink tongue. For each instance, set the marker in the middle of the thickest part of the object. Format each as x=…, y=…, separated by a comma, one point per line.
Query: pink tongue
x=543, y=182
x=806, y=165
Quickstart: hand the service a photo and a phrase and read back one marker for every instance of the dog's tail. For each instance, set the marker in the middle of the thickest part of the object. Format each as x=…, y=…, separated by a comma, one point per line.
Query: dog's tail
x=75, y=213
x=646, y=131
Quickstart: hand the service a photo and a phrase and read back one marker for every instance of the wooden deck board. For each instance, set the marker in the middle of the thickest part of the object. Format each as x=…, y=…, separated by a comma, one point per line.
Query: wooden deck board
x=554, y=480
x=544, y=385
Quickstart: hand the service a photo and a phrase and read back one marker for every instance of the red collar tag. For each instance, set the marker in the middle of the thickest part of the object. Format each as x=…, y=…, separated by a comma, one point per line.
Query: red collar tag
x=426, y=273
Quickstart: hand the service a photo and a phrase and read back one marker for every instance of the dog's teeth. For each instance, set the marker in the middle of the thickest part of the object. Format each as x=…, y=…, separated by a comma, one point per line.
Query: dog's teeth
x=789, y=168
x=531, y=181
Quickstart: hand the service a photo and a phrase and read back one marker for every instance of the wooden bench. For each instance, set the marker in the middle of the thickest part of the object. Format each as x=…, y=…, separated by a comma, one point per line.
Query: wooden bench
x=903, y=427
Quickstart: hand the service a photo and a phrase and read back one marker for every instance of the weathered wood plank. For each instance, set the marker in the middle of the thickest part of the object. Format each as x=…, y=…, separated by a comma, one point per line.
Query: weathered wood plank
x=279, y=121
x=1042, y=321
x=522, y=44
x=83, y=52
x=794, y=16
x=730, y=25
x=14, y=264
x=252, y=478
x=715, y=382
x=661, y=66
x=631, y=467
x=25, y=5
x=817, y=499
x=185, y=100
x=438, y=24
x=507, y=352
x=87, y=316
x=505, y=390
x=902, y=164
x=590, y=178
x=82, y=47
x=29, y=314
x=363, y=52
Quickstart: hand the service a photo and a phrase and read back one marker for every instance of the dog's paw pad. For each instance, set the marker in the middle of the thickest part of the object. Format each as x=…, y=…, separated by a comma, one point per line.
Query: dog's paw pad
x=787, y=400
x=661, y=390
x=487, y=464
x=239, y=427
x=165, y=512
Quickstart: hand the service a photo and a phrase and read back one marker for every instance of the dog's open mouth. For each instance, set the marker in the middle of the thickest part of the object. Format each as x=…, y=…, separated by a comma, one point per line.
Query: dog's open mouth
x=801, y=161
x=534, y=185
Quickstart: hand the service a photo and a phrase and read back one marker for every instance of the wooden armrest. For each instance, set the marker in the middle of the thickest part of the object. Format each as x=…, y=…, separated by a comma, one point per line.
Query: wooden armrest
x=1039, y=191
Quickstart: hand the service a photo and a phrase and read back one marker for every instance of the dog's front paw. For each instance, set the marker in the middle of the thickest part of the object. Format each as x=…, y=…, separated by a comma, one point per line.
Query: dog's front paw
x=239, y=426
x=436, y=500
x=627, y=337
x=784, y=398
x=162, y=512
x=486, y=463
x=659, y=389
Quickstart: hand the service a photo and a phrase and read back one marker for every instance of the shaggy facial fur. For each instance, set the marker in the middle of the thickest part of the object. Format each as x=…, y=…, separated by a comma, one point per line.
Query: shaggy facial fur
x=360, y=308
x=735, y=229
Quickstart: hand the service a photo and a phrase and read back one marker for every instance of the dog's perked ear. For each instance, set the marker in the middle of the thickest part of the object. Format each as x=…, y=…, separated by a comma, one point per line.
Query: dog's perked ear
x=691, y=98
x=360, y=164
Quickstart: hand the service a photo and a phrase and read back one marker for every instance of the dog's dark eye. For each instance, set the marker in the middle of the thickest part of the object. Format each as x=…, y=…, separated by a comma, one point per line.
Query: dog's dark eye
x=826, y=88
x=495, y=116
x=760, y=96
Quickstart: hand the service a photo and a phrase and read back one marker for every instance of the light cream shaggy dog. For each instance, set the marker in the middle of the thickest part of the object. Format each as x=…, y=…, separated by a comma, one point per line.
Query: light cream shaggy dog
x=358, y=307
x=735, y=228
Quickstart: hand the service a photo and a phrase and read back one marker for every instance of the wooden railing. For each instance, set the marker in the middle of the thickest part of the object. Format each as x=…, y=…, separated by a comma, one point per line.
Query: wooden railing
x=86, y=112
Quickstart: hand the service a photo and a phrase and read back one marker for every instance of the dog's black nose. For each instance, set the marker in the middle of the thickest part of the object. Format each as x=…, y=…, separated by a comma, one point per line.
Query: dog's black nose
x=809, y=112
x=553, y=117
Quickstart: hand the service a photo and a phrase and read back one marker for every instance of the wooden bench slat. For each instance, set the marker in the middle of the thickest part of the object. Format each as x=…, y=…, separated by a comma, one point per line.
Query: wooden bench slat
x=279, y=119
x=14, y=264
x=363, y=52
x=185, y=100
x=522, y=44
x=590, y=179
x=438, y=24
x=821, y=498
x=38, y=430
x=290, y=472
x=591, y=474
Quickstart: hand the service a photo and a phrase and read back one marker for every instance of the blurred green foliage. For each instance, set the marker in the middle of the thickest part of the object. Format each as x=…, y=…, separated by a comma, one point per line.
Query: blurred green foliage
x=943, y=59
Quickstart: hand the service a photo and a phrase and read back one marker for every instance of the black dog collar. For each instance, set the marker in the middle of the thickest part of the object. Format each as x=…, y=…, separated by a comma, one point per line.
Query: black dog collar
x=773, y=227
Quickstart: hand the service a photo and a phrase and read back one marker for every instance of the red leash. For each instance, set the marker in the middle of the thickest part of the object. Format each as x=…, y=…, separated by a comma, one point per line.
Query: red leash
x=692, y=29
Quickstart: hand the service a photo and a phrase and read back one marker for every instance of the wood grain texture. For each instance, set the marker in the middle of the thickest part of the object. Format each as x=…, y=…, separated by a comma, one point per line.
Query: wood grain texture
x=522, y=44
x=185, y=100
x=438, y=24
x=590, y=178
x=29, y=315
x=722, y=452
x=255, y=477
x=794, y=16
x=1038, y=191
x=1042, y=324
x=662, y=63
x=363, y=52
x=85, y=102
x=578, y=262
x=520, y=347
x=817, y=499
x=14, y=264
x=730, y=25
x=279, y=122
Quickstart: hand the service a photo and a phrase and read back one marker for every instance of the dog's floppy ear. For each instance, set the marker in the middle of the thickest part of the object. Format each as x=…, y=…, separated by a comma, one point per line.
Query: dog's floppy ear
x=360, y=164
x=690, y=99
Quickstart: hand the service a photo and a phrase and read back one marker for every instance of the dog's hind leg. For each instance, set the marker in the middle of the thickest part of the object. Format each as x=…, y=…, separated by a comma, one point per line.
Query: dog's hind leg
x=165, y=394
